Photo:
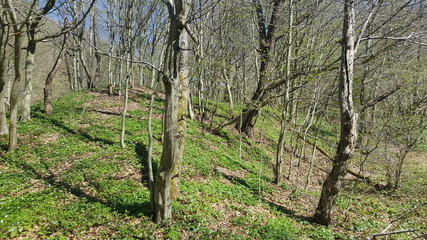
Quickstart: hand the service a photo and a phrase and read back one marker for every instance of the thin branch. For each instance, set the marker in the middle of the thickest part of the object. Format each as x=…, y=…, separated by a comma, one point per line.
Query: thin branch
x=67, y=29
x=380, y=98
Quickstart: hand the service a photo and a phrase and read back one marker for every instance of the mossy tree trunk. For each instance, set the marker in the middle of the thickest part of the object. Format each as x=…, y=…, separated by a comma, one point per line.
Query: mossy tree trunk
x=175, y=79
x=332, y=185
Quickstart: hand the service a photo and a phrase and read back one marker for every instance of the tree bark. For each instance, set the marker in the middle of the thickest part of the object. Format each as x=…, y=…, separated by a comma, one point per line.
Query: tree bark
x=281, y=141
x=48, y=86
x=266, y=34
x=175, y=79
x=3, y=82
x=332, y=185
x=29, y=70
x=32, y=25
x=16, y=85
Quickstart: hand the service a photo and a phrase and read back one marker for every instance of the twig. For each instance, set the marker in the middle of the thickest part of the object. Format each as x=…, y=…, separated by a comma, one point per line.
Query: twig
x=373, y=236
x=403, y=215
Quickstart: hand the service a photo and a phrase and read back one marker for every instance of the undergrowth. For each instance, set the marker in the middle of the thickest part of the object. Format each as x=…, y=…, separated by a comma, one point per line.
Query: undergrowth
x=70, y=179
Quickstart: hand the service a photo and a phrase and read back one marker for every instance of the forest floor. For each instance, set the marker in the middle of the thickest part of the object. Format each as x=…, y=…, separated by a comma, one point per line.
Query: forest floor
x=70, y=179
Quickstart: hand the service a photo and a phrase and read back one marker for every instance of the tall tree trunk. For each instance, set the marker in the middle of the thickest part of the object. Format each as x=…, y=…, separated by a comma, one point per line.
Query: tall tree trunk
x=175, y=79
x=3, y=82
x=16, y=85
x=266, y=32
x=332, y=184
x=183, y=110
x=32, y=26
x=283, y=122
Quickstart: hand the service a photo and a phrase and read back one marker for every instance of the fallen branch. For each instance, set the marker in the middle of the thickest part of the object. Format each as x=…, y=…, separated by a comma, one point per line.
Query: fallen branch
x=107, y=112
x=374, y=236
x=403, y=215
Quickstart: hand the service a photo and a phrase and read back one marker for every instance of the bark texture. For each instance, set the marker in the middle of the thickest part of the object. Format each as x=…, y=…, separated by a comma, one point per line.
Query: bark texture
x=332, y=184
x=175, y=73
x=16, y=85
x=32, y=25
x=3, y=88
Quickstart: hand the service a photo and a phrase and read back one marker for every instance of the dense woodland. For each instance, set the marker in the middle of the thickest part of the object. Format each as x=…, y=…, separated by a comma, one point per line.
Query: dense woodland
x=323, y=103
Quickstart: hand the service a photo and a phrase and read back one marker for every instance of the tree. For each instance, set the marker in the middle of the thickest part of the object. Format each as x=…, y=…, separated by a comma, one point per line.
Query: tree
x=16, y=84
x=332, y=185
x=3, y=82
x=175, y=80
x=266, y=33
x=32, y=22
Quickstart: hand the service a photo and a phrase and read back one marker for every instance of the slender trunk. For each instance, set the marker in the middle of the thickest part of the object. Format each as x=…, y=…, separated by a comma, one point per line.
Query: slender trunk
x=283, y=122
x=125, y=107
x=48, y=86
x=16, y=85
x=128, y=45
x=332, y=185
x=4, y=131
x=3, y=82
x=150, y=151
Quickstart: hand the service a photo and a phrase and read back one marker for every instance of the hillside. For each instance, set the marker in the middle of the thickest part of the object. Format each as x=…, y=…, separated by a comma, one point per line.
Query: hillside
x=71, y=180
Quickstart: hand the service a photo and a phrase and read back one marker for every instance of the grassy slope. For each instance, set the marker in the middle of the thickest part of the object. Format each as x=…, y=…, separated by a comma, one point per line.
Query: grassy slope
x=71, y=179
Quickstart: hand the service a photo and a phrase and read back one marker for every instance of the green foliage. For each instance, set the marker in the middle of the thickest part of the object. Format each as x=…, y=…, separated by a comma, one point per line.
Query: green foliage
x=275, y=229
x=320, y=233
x=70, y=177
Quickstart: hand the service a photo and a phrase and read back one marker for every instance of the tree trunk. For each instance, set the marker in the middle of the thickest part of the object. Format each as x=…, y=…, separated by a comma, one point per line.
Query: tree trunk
x=175, y=79
x=32, y=25
x=29, y=70
x=183, y=110
x=16, y=85
x=266, y=32
x=283, y=122
x=48, y=86
x=3, y=82
x=332, y=185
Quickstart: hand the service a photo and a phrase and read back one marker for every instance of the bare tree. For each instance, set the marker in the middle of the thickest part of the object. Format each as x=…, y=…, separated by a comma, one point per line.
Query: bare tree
x=16, y=85
x=332, y=185
x=32, y=23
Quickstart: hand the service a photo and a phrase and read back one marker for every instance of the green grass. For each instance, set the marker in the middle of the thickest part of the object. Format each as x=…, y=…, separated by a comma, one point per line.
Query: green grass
x=70, y=179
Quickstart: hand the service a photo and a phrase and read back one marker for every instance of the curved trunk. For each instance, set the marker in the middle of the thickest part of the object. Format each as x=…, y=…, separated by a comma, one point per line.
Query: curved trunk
x=48, y=87
x=332, y=185
x=266, y=32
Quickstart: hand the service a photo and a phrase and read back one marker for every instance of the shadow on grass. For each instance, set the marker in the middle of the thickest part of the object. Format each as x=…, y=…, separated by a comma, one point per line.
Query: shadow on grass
x=288, y=212
x=4, y=142
x=131, y=209
x=75, y=132
x=142, y=154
